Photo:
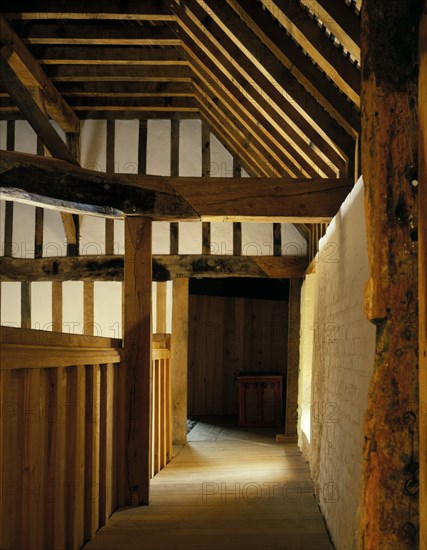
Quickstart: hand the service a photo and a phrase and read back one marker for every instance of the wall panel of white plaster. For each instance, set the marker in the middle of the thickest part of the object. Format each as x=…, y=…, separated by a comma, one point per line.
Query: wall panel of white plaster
x=72, y=307
x=11, y=304
x=93, y=143
x=41, y=305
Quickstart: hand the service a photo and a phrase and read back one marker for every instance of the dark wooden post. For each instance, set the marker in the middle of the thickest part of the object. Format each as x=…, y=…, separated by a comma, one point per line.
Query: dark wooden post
x=422, y=271
x=389, y=507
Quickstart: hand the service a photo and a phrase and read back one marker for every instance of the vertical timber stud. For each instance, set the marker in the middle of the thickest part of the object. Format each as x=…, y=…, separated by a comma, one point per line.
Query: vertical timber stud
x=422, y=270
x=174, y=171
x=109, y=222
x=294, y=321
x=137, y=346
x=206, y=172
x=389, y=144
x=179, y=360
x=237, y=226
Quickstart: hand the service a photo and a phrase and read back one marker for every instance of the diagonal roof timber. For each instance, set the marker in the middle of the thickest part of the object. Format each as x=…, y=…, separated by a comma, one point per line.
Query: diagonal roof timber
x=341, y=20
x=274, y=80
x=229, y=91
x=287, y=136
x=229, y=95
x=227, y=132
x=34, y=79
x=31, y=110
x=225, y=136
x=300, y=65
x=315, y=42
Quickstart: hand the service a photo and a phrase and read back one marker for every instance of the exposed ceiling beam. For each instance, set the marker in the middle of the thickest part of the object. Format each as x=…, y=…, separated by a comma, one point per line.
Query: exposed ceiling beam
x=34, y=79
x=287, y=98
x=286, y=50
x=126, y=89
x=314, y=41
x=102, y=55
x=123, y=114
x=61, y=181
x=119, y=73
x=119, y=35
x=148, y=10
x=165, y=198
x=165, y=267
x=155, y=103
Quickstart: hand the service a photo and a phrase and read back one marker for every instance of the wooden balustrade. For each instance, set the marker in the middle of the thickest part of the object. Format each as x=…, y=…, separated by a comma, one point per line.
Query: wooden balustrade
x=57, y=441
x=161, y=406
x=59, y=433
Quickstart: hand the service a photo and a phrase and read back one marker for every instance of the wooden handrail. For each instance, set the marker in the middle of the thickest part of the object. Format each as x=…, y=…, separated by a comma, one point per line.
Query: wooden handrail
x=31, y=337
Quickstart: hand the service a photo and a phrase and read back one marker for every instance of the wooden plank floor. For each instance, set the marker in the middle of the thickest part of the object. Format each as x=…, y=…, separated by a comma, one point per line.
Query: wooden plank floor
x=228, y=488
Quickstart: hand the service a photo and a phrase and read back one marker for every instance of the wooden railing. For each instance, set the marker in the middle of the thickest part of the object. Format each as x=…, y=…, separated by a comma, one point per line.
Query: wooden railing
x=61, y=433
x=58, y=437
x=161, y=405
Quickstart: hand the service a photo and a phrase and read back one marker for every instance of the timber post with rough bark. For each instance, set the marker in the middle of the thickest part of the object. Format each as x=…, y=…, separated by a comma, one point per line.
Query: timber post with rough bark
x=389, y=502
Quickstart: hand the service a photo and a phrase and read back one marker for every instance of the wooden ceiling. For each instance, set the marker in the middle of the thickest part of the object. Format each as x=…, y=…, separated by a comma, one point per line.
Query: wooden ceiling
x=277, y=81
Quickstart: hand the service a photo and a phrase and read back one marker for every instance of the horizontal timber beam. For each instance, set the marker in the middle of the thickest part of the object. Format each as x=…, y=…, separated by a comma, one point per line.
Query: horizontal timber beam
x=63, y=181
x=165, y=267
x=264, y=199
x=101, y=55
x=148, y=10
x=108, y=34
x=168, y=198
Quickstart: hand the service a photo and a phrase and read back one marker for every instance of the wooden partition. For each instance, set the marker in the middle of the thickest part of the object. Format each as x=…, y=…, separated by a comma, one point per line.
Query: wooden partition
x=161, y=405
x=58, y=437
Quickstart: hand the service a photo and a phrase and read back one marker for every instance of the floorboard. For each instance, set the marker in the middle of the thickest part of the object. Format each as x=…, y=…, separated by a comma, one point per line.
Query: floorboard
x=228, y=488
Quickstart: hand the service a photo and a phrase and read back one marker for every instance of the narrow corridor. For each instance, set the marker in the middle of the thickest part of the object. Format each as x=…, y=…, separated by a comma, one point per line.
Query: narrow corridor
x=228, y=488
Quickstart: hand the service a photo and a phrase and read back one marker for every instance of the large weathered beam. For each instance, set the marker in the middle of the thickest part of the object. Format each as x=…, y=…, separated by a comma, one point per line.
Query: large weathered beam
x=422, y=271
x=62, y=181
x=34, y=79
x=389, y=504
x=162, y=198
x=30, y=109
x=165, y=267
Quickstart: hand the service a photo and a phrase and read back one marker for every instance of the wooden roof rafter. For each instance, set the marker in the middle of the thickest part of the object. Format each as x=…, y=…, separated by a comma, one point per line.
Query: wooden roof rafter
x=297, y=21
x=201, y=50
x=281, y=120
x=290, y=55
x=275, y=81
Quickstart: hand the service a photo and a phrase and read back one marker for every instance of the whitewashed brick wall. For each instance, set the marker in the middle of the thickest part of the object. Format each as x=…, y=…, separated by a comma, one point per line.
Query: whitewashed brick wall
x=343, y=352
